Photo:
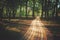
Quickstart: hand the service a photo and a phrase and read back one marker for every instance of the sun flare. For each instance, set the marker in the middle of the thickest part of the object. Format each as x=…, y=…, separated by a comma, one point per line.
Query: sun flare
x=37, y=31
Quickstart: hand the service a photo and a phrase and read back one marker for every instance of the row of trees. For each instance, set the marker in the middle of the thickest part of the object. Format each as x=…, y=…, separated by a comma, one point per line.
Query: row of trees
x=9, y=8
x=50, y=6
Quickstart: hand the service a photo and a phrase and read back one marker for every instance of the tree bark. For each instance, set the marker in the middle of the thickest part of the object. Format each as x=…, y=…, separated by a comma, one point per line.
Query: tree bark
x=33, y=8
x=26, y=9
x=1, y=14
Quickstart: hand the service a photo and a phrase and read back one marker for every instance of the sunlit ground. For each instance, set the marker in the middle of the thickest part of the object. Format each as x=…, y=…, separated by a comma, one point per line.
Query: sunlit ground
x=37, y=31
x=13, y=29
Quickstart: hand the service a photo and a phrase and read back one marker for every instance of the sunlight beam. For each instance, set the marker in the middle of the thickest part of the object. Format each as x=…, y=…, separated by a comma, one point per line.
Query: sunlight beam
x=37, y=31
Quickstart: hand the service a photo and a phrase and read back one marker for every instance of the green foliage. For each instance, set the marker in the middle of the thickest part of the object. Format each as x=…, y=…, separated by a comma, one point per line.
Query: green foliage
x=18, y=7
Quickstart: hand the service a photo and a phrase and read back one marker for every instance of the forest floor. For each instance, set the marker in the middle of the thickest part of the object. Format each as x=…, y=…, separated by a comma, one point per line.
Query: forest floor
x=16, y=28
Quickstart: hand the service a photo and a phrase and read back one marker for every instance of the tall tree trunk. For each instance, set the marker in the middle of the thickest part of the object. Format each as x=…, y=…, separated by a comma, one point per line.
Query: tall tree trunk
x=9, y=14
x=56, y=8
x=1, y=14
x=20, y=11
x=1, y=9
x=45, y=8
x=42, y=11
x=33, y=8
x=26, y=9
x=53, y=11
x=14, y=13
